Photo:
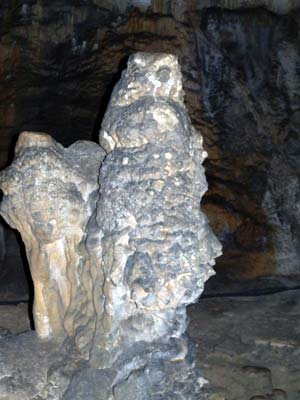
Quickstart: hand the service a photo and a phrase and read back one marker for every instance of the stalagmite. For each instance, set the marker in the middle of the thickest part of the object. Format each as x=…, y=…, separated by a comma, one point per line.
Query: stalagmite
x=49, y=195
x=115, y=262
x=157, y=247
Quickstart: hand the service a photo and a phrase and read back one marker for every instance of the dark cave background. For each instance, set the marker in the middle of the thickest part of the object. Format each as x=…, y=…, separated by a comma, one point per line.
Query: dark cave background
x=59, y=61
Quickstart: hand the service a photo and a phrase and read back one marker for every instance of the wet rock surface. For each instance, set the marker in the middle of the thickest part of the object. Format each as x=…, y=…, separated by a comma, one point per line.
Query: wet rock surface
x=116, y=251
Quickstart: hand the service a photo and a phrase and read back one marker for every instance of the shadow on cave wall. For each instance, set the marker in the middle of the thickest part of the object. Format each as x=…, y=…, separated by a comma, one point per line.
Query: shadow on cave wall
x=104, y=101
x=15, y=278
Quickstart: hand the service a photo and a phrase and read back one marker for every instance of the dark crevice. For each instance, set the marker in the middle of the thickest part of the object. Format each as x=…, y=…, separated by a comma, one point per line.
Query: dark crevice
x=250, y=293
x=104, y=101
x=13, y=302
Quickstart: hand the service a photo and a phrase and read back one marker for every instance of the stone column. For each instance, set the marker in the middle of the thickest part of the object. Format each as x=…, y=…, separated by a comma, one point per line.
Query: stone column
x=157, y=249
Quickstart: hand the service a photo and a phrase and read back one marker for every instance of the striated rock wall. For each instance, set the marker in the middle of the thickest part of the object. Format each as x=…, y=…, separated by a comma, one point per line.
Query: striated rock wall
x=250, y=83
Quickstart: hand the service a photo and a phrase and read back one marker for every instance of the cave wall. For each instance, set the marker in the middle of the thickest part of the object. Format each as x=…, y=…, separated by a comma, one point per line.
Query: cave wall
x=60, y=59
x=251, y=80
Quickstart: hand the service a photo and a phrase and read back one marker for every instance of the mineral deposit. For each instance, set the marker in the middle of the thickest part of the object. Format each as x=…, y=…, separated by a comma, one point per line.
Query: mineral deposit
x=49, y=195
x=117, y=247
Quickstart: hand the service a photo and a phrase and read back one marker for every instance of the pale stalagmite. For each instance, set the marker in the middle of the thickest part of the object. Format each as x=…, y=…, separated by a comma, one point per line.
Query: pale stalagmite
x=115, y=262
x=49, y=195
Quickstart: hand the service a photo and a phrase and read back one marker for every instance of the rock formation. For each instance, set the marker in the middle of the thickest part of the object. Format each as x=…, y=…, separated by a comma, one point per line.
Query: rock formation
x=49, y=195
x=113, y=272
x=150, y=188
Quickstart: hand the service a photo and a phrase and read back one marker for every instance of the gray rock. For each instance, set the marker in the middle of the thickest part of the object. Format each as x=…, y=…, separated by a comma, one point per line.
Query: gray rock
x=157, y=247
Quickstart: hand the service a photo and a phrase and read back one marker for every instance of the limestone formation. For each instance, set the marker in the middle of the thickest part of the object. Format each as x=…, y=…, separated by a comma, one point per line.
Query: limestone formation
x=157, y=247
x=49, y=195
x=117, y=252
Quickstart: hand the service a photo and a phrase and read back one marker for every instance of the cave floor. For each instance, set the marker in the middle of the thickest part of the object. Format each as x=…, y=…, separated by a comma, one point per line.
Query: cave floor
x=14, y=318
x=248, y=346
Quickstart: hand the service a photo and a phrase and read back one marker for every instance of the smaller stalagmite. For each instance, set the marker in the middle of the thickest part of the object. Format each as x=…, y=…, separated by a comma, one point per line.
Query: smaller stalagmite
x=116, y=241
x=49, y=195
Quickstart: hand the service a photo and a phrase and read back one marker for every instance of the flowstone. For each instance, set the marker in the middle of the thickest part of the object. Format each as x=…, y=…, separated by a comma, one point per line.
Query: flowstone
x=116, y=251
